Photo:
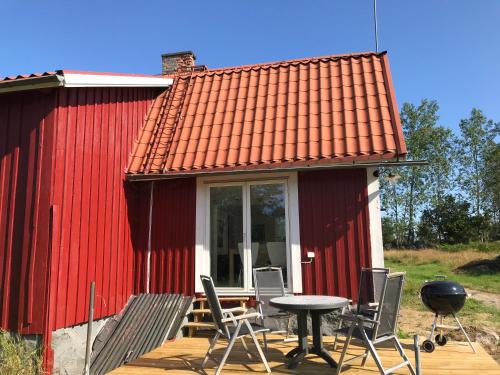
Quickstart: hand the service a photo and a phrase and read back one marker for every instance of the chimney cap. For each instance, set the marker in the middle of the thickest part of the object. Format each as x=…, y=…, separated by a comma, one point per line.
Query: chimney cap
x=173, y=54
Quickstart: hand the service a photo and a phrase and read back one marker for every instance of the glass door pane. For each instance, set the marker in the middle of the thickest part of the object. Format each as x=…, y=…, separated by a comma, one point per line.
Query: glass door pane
x=226, y=236
x=268, y=226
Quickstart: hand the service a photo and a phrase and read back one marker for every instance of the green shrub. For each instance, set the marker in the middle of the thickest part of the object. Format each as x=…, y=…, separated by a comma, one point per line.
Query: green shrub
x=17, y=357
x=485, y=247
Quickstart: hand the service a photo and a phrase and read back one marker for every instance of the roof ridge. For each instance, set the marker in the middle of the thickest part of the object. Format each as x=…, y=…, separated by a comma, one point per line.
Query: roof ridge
x=303, y=60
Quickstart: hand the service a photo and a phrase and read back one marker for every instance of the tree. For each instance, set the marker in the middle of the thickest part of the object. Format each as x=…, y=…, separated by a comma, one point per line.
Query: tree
x=492, y=186
x=447, y=222
x=477, y=135
x=423, y=185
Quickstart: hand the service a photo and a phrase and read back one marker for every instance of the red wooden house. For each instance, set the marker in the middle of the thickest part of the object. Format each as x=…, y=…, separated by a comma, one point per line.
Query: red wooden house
x=144, y=182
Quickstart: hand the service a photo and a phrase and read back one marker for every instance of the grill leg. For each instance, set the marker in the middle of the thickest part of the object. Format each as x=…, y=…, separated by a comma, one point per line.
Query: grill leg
x=431, y=337
x=465, y=333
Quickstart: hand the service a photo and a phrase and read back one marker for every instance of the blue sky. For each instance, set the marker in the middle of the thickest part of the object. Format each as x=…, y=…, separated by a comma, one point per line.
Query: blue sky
x=448, y=50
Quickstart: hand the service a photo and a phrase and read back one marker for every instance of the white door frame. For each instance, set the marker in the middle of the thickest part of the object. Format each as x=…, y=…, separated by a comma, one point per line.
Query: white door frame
x=202, y=252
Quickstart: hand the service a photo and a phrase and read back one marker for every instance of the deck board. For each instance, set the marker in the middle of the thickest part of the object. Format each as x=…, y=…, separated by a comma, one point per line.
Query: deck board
x=184, y=356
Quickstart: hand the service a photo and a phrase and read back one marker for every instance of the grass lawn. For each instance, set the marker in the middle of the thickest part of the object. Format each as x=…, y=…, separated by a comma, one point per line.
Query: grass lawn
x=421, y=265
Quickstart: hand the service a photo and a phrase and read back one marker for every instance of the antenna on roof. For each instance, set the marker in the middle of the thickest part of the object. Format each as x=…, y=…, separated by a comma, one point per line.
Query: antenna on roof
x=375, y=24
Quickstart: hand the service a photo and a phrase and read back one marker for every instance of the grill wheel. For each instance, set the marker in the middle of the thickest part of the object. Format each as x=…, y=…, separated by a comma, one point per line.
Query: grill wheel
x=428, y=346
x=441, y=340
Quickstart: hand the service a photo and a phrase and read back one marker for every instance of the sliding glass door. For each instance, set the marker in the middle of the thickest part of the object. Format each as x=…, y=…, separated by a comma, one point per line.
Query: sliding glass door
x=247, y=229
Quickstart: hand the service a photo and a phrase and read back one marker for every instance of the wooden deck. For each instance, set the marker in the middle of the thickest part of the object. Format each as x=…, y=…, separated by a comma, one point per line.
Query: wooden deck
x=184, y=356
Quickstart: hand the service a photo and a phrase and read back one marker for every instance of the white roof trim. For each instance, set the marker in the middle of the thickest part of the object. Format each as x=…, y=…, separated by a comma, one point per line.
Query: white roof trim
x=82, y=80
x=102, y=80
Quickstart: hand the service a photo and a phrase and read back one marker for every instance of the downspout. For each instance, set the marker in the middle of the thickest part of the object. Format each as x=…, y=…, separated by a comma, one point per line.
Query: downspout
x=150, y=226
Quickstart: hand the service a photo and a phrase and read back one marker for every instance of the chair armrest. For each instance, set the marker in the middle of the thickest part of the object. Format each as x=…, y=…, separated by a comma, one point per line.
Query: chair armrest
x=357, y=318
x=240, y=317
x=234, y=309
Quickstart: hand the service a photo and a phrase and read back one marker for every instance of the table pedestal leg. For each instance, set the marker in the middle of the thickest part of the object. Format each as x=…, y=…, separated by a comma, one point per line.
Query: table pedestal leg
x=318, y=348
x=297, y=354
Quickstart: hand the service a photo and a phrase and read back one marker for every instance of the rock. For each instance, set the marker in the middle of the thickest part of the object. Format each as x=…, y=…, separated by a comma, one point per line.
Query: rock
x=481, y=266
x=330, y=322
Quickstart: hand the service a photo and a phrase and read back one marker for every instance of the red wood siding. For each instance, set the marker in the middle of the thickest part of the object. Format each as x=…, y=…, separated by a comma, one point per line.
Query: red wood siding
x=26, y=128
x=173, y=236
x=138, y=195
x=333, y=209
x=95, y=131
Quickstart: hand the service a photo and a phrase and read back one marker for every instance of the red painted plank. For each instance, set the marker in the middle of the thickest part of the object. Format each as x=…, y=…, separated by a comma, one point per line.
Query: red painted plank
x=333, y=210
x=173, y=236
x=23, y=203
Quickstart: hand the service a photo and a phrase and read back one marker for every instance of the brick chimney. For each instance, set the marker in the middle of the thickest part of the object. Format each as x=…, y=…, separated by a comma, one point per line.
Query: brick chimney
x=178, y=62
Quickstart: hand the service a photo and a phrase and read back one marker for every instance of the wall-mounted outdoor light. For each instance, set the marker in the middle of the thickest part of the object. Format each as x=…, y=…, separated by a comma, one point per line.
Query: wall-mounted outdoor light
x=310, y=257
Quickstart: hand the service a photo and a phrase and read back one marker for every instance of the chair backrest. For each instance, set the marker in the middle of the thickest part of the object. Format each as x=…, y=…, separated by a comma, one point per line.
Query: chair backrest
x=277, y=253
x=268, y=283
x=389, y=305
x=214, y=304
x=371, y=286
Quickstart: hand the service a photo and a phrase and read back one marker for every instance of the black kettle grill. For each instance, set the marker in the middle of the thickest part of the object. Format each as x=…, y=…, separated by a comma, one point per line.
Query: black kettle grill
x=443, y=298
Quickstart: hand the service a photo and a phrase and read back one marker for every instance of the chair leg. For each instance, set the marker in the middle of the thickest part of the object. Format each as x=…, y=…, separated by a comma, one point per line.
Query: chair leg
x=366, y=355
x=212, y=345
x=344, y=350
x=403, y=354
x=265, y=341
x=372, y=349
x=228, y=349
x=254, y=338
x=288, y=327
x=339, y=327
x=246, y=347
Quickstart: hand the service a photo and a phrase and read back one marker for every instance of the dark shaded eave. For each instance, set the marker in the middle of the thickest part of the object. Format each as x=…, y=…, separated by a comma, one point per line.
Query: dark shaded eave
x=32, y=83
x=278, y=167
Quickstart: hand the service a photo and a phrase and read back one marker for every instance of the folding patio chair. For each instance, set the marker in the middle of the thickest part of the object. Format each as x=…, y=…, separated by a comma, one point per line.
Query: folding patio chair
x=379, y=328
x=268, y=284
x=230, y=327
x=370, y=287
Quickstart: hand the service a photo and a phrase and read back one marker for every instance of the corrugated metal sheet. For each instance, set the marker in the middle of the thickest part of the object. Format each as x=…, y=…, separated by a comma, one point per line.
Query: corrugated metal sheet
x=146, y=322
x=91, y=237
x=26, y=128
x=173, y=236
x=299, y=113
x=334, y=223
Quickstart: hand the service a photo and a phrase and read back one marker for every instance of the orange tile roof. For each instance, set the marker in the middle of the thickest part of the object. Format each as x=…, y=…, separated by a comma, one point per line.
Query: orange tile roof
x=286, y=114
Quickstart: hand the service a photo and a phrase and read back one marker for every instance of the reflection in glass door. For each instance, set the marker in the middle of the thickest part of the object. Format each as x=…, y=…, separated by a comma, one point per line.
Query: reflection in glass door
x=268, y=226
x=226, y=236
x=254, y=208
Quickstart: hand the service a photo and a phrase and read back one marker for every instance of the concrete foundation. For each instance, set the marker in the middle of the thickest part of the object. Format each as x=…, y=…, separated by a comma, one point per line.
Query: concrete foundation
x=69, y=347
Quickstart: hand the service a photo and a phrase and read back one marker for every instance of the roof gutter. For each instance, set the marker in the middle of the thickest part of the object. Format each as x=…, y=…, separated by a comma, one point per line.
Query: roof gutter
x=167, y=176
x=33, y=83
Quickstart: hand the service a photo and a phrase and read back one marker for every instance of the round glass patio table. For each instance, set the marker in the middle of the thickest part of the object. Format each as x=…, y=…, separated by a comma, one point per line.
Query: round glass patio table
x=302, y=306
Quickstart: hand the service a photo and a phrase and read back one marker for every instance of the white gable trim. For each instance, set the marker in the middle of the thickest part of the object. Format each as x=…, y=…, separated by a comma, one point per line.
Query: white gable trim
x=376, y=242
x=105, y=80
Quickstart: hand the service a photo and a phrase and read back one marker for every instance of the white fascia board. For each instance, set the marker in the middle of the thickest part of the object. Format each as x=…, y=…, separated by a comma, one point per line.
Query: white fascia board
x=103, y=80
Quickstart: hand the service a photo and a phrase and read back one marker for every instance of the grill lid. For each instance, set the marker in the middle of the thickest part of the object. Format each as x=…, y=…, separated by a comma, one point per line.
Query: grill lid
x=443, y=288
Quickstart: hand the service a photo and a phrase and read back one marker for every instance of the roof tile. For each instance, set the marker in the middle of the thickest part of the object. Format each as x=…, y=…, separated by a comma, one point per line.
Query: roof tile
x=326, y=109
